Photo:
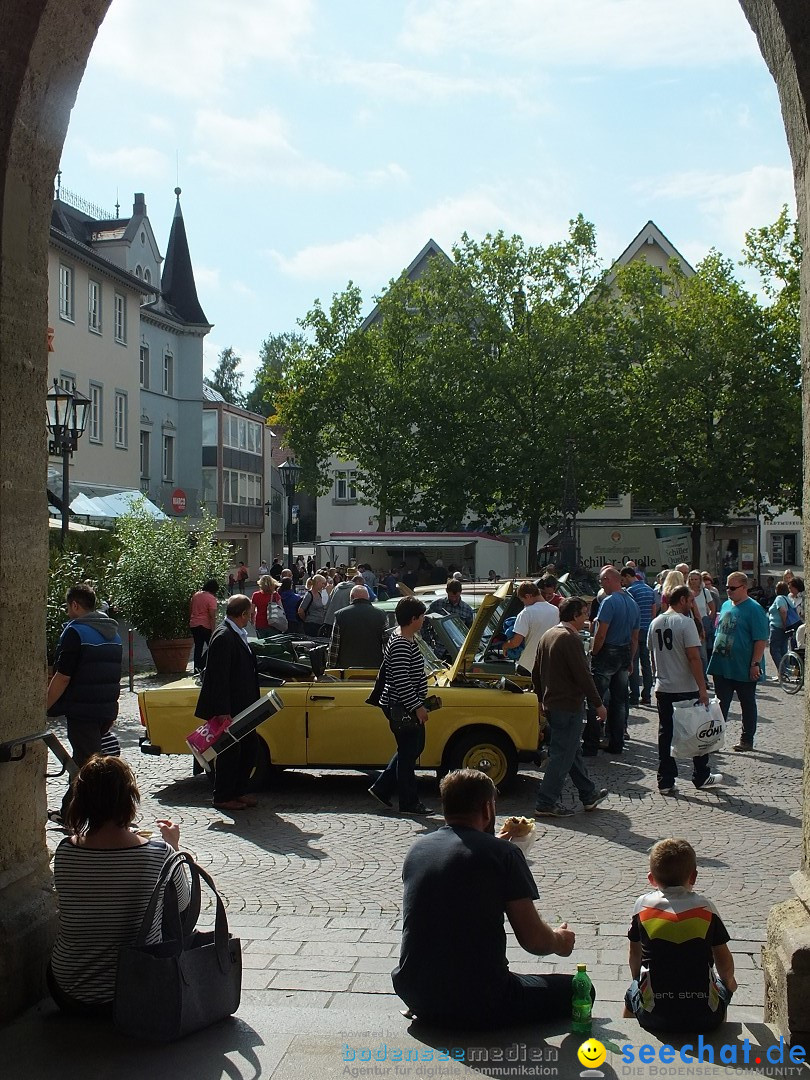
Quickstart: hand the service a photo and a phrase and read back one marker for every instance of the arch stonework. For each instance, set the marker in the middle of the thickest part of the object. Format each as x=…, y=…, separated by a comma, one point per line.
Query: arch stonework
x=44, y=46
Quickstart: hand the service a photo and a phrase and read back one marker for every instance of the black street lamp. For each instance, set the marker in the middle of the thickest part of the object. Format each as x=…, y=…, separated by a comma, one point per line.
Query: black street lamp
x=290, y=474
x=67, y=418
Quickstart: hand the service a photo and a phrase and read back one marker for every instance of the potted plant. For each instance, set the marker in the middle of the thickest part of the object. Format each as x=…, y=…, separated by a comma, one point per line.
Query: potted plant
x=84, y=559
x=161, y=565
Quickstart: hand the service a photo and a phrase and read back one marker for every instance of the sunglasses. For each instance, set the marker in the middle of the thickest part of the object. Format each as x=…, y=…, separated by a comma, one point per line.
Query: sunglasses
x=731, y=588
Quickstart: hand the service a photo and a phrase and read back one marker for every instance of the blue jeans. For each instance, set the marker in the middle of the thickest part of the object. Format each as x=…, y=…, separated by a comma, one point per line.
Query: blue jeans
x=667, y=766
x=777, y=645
x=746, y=695
x=611, y=672
x=399, y=774
x=565, y=759
x=641, y=661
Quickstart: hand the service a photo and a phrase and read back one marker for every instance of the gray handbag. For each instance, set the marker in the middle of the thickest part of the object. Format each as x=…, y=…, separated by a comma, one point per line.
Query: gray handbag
x=187, y=981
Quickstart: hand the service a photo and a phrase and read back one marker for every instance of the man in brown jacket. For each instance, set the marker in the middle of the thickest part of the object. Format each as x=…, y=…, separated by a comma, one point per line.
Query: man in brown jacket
x=562, y=682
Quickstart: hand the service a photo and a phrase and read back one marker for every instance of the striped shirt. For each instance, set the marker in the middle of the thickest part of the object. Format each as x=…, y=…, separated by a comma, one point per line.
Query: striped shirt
x=405, y=678
x=103, y=897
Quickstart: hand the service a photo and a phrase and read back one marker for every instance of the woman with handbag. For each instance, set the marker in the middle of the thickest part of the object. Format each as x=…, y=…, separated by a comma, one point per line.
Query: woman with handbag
x=402, y=701
x=312, y=608
x=104, y=875
x=267, y=614
x=202, y=620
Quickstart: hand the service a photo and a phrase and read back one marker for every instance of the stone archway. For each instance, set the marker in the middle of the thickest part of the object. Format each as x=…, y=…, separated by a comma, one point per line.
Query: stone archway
x=44, y=46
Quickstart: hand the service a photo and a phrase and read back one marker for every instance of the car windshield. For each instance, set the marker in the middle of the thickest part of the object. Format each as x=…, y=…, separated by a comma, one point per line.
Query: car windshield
x=432, y=663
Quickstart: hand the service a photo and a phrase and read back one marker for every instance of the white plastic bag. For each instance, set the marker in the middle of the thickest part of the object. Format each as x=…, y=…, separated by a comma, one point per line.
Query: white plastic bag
x=697, y=729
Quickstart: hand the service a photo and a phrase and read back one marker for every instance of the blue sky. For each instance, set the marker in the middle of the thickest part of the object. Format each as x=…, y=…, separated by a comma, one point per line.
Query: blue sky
x=320, y=141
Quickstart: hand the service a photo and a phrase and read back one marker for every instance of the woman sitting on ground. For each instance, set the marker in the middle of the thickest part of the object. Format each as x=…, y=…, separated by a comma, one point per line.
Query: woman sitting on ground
x=104, y=875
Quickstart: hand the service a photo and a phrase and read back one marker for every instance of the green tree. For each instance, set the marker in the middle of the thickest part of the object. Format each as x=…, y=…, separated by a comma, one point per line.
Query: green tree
x=226, y=377
x=276, y=354
x=712, y=425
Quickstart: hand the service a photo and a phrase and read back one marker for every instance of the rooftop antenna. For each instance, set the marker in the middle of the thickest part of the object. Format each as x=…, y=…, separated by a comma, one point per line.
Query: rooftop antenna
x=117, y=204
x=177, y=167
x=58, y=182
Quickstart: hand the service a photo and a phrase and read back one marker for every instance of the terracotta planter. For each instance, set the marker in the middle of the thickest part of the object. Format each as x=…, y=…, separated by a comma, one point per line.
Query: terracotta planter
x=170, y=656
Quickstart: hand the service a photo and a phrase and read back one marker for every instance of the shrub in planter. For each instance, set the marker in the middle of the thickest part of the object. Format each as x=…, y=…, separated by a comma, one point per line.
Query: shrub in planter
x=161, y=565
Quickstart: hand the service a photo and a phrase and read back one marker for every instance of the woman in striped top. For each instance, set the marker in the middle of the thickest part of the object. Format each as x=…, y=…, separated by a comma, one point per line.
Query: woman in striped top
x=405, y=685
x=104, y=875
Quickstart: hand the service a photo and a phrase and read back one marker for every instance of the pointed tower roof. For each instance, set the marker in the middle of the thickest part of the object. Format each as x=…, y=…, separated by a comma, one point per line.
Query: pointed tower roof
x=177, y=283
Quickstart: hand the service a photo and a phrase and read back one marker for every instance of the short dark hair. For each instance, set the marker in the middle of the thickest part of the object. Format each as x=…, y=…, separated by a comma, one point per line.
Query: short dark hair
x=465, y=791
x=628, y=571
x=104, y=790
x=678, y=594
x=571, y=608
x=453, y=586
x=82, y=594
x=408, y=609
x=672, y=862
x=547, y=581
x=782, y=589
x=798, y=584
x=211, y=586
x=236, y=606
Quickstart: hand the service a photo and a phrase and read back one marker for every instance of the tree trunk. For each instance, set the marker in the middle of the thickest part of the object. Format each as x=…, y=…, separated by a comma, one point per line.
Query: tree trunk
x=696, y=530
x=531, y=552
x=382, y=517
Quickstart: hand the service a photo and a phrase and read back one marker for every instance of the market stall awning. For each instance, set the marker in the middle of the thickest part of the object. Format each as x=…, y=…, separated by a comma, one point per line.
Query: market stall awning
x=114, y=506
x=73, y=526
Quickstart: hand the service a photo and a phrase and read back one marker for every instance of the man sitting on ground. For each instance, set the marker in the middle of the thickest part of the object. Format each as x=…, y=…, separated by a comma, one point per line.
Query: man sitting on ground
x=460, y=881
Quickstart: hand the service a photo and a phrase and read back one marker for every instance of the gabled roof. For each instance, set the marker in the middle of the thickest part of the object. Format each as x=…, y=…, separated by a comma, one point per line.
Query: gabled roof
x=177, y=284
x=649, y=236
x=72, y=231
x=413, y=272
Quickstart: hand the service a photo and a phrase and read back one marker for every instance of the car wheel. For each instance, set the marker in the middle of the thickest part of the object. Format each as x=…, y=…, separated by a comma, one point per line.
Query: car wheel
x=488, y=751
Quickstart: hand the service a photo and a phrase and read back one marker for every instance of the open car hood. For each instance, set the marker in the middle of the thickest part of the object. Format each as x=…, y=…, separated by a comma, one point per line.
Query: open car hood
x=481, y=624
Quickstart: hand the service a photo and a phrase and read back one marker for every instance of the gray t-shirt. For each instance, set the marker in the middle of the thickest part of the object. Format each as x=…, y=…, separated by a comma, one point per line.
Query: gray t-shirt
x=668, y=638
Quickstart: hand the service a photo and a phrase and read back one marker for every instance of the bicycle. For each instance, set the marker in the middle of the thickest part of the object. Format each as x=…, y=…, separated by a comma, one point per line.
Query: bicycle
x=791, y=666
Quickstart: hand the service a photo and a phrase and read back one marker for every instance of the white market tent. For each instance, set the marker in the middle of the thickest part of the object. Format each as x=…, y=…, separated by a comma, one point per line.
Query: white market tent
x=113, y=506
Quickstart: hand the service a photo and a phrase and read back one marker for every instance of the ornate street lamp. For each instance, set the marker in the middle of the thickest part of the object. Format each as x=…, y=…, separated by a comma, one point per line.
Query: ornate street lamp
x=66, y=418
x=290, y=474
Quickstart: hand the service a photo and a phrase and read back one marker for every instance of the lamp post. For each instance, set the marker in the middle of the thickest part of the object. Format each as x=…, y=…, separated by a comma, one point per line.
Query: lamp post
x=290, y=474
x=67, y=418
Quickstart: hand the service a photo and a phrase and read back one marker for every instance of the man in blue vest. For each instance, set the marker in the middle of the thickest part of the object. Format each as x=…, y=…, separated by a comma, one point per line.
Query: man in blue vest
x=86, y=681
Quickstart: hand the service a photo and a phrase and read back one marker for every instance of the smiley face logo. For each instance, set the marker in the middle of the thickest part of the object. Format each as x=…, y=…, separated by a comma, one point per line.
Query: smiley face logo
x=592, y=1054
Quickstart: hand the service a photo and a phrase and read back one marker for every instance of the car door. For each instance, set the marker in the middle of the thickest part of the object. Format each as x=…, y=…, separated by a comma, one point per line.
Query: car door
x=342, y=729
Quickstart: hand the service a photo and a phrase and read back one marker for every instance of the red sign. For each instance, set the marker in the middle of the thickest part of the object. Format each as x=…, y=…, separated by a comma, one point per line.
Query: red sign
x=179, y=501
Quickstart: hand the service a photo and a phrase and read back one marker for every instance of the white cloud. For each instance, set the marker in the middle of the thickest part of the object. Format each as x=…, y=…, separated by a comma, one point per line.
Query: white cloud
x=248, y=148
x=241, y=289
x=386, y=79
x=372, y=258
x=387, y=174
x=730, y=203
x=578, y=33
x=126, y=161
x=206, y=277
x=203, y=45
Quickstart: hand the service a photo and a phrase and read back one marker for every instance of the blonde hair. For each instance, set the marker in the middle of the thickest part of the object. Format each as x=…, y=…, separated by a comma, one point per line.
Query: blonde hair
x=673, y=579
x=267, y=583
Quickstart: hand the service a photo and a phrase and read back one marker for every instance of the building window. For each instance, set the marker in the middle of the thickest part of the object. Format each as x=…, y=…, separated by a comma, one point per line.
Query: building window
x=785, y=549
x=66, y=292
x=121, y=419
x=67, y=382
x=95, y=429
x=209, y=489
x=209, y=427
x=241, y=488
x=147, y=276
x=138, y=271
x=613, y=498
x=94, y=306
x=168, y=457
x=168, y=374
x=144, y=455
x=345, y=485
x=145, y=367
x=121, y=318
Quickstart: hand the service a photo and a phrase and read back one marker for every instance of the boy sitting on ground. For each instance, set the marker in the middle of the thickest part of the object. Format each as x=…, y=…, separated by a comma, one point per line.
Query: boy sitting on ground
x=682, y=968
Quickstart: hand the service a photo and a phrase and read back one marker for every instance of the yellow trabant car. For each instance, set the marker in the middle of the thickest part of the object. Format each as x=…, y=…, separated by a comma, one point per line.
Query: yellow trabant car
x=486, y=721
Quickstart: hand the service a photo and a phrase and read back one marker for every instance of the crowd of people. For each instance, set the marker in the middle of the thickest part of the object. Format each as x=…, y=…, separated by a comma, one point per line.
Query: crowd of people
x=460, y=881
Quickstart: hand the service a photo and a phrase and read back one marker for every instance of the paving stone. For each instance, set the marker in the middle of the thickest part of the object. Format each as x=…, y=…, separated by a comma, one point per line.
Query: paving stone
x=277, y=948
x=312, y=980
x=372, y=984
x=346, y=948
x=376, y=964
x=311, y=962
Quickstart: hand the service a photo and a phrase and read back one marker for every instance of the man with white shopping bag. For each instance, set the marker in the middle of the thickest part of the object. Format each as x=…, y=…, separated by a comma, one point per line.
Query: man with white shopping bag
x=674, y=647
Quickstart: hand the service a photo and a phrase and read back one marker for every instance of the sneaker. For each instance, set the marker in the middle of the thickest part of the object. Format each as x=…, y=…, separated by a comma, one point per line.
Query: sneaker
x=646, y=701
x=668, y=790
x=418, y=809
x=383, y=802
x=599, y=796
x=744, y=747
x=553, y=811
x=713, y=780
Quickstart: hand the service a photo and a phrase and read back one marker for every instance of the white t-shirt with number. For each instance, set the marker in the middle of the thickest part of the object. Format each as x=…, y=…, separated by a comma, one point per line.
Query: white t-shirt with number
x=668, y=638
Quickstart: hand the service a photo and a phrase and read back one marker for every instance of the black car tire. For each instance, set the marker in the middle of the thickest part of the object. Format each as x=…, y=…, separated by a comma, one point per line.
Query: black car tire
x=475, y=748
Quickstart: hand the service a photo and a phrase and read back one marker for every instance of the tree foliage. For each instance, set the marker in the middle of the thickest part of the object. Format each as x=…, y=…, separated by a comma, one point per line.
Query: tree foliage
x=226, y=377
x=276, y=353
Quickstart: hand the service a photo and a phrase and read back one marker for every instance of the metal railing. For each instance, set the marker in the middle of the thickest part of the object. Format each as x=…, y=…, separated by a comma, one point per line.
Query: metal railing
x=15, y=750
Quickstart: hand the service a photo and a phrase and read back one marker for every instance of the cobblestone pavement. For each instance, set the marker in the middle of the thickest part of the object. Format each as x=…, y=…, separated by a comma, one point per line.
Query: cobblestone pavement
x=311, y=877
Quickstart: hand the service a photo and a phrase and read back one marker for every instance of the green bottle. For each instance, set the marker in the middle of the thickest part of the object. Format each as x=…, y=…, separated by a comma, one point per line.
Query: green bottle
x=581, y=1003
